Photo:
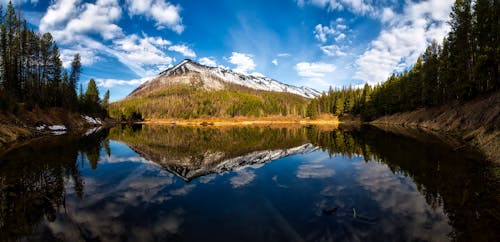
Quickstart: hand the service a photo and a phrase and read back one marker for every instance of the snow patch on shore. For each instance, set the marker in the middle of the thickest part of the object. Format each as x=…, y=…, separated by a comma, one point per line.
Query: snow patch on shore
x=91, y=120
x=57, y=128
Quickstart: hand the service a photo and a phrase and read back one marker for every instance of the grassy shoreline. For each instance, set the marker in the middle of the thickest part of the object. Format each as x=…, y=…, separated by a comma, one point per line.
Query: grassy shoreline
x=242, y=121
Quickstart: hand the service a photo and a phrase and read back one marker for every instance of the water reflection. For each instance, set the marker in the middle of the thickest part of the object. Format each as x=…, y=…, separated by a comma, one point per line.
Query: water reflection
x=150, y=183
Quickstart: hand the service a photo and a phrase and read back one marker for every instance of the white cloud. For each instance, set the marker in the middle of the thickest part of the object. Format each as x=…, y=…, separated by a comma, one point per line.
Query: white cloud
x=333, y=50
x=164, y=13
x=34, y=2
x=68, y=19
x=183, y=49
x=322, y=32
x=88, y=56
x=208, y=61
x=403, y=39
x=315, y=71
x=284, y=54
x=340, y=37
x=143, y=50
x=88, y=28
x=242, y=61
x=275, y=62
x=356, y=6
x=108, y=83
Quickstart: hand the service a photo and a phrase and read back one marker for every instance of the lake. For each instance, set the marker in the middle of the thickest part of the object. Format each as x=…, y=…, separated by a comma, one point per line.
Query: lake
x=171, y=183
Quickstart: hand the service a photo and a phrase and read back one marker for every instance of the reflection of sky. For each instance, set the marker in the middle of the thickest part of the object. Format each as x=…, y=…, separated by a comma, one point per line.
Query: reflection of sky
x=398, y=196
x=282, y=200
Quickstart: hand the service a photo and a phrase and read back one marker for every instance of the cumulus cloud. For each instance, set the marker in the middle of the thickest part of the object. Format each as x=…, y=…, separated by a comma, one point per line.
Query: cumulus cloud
x=143, y=50
x=333, y=50
x=243, y=62
x=403, y=38
x=91, y=30
x=333, y=33
x=321, y=32
x=68, y=19
x=164, y=13
x=183, y=49
x=208, y=61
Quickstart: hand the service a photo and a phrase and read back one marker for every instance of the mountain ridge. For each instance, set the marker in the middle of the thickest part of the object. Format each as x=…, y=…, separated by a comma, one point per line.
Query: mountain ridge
x=217, y=78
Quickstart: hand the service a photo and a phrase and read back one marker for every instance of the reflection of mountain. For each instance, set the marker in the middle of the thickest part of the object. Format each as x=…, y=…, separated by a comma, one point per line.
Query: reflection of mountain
x=195, y=152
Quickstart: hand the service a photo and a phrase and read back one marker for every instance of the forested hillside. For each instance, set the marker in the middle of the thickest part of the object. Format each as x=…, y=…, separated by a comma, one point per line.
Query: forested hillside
x=32, y=73
x=464, y=66
x=190, y=101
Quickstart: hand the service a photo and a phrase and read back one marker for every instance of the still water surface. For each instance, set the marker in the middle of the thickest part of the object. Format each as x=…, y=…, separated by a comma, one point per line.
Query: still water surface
x=164, y=183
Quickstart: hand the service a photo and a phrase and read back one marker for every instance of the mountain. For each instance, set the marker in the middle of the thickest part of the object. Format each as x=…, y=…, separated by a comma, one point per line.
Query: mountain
x=191, y=90
x=217, y=78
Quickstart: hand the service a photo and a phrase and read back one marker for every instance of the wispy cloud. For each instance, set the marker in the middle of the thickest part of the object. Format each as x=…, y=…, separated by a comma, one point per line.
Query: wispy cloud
x=315, y=71
x=108, y=83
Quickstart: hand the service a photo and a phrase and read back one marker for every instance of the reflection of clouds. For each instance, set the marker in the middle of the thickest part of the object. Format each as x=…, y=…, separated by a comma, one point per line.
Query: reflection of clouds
x=183, y=190
x=315, y=169
x=406, y=209
x=207, y=179
x=116, y=159
x=110, y=205
x=242, y=178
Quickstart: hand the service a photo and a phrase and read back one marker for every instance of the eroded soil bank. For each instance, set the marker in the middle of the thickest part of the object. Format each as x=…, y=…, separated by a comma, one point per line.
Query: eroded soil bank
x=26, y=125
x=477, y=122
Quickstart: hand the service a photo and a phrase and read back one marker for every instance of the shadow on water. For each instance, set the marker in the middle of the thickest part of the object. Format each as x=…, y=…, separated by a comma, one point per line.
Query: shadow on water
x=35, y=180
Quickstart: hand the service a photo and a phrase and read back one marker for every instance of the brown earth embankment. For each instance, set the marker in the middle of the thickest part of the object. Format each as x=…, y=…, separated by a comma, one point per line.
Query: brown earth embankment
x=22, y=125
x=477, y=122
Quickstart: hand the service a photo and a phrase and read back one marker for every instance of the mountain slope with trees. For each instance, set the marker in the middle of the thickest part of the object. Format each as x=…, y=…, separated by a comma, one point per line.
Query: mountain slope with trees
x=190, y=90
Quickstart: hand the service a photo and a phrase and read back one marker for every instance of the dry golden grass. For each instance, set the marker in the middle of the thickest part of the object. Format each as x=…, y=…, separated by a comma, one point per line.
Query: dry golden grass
x=237, y=121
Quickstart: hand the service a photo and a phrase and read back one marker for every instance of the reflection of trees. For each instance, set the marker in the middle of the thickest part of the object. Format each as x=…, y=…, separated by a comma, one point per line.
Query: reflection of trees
x=190, y=152
x=33, y=178
x=466, y=188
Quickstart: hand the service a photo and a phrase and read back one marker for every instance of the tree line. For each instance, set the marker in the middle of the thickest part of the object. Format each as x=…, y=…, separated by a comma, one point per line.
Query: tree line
x=463, y=67
x=32, y=73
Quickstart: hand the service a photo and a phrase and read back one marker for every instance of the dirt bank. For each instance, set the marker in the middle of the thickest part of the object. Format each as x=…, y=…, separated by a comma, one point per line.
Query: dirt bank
x=25, y=125
x=476, y=122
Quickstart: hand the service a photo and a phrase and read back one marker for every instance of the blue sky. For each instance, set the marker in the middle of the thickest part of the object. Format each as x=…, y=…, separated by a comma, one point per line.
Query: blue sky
x=316, y=43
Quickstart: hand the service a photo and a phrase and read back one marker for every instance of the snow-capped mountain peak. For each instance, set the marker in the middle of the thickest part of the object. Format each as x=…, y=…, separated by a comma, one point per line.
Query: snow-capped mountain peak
x=217, y=78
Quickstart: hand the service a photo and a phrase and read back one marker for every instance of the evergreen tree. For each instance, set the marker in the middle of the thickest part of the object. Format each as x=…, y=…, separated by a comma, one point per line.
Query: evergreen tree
x=105, y=100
